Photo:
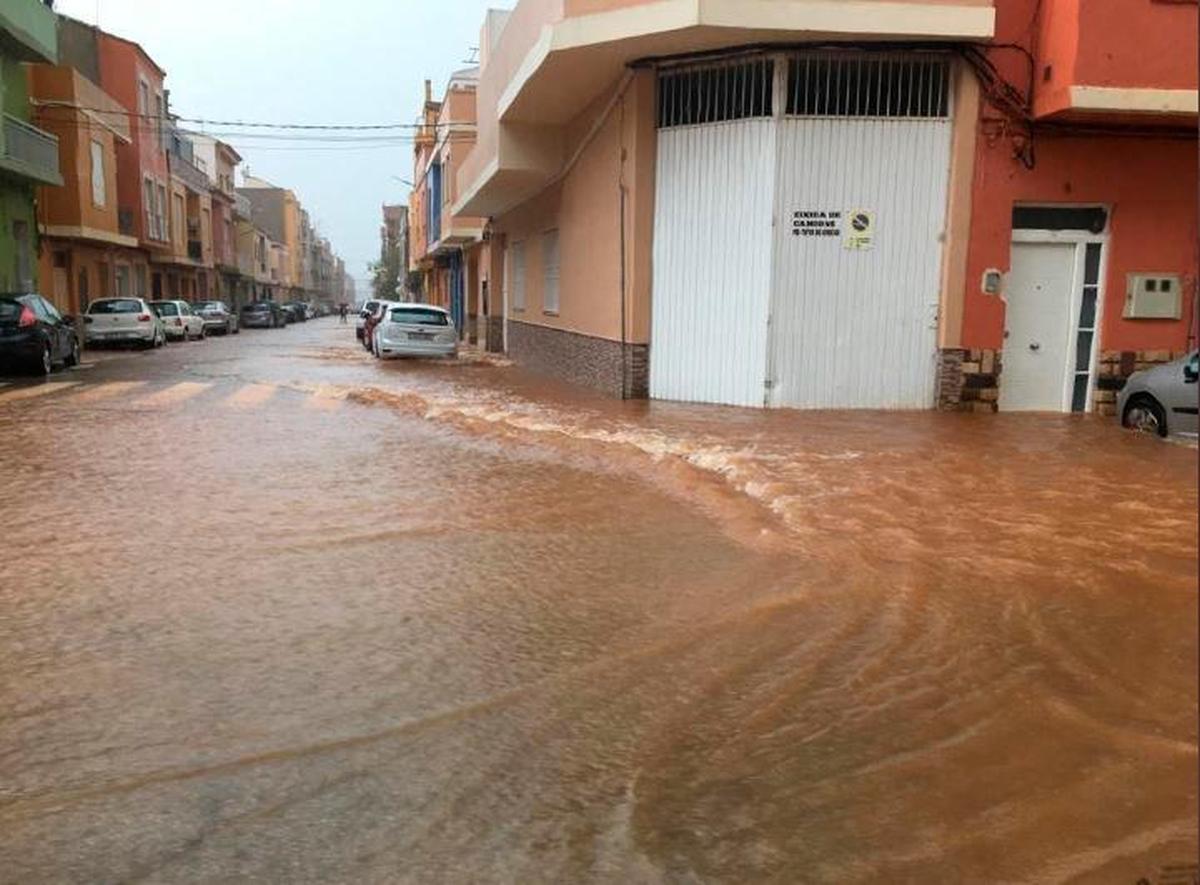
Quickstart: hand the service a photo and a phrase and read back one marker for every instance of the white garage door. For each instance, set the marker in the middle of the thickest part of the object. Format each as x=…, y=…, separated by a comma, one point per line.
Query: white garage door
x=849, y=163
x=713, y=210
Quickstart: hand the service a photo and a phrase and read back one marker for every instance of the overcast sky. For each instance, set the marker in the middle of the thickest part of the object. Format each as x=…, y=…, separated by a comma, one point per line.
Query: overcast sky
x=306, y=61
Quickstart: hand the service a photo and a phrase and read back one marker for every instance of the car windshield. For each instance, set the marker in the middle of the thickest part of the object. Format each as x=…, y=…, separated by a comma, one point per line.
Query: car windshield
x=419, y=316
x=165, y=308
x=210, y=305
x=116, y=305
x=257, y=308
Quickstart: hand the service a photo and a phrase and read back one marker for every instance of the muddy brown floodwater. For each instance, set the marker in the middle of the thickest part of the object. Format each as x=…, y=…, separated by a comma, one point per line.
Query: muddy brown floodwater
x=270, y=611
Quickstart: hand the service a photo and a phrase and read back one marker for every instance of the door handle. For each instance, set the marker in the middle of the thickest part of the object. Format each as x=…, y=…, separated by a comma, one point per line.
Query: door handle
x=1035, y=346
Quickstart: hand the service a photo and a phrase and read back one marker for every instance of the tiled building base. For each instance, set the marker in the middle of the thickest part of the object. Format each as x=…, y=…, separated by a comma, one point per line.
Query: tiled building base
x=1118, y=365
x=581, y=359
x=968, y=380
x=494, y=334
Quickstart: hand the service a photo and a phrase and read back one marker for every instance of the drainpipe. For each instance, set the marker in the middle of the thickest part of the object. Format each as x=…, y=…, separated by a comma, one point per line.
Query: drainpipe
x=622, y=202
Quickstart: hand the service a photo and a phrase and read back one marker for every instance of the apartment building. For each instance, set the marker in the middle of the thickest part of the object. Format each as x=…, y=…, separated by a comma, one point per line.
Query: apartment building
x=85, y=252
x=127, y=73
x=815, y=204
x=220, y=162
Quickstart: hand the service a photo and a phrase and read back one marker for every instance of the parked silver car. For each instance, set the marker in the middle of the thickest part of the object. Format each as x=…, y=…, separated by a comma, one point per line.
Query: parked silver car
x=218, y=318
x=1164, y=399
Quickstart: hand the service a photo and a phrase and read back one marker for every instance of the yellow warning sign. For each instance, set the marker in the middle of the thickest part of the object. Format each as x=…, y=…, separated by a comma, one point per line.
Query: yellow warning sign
x=859, y=229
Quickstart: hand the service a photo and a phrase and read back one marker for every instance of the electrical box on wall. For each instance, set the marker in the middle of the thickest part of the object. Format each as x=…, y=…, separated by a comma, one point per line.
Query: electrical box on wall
x=1152, y=296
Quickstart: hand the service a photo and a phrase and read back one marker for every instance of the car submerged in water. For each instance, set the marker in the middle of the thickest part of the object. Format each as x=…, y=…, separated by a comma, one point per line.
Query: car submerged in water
x=414, y=330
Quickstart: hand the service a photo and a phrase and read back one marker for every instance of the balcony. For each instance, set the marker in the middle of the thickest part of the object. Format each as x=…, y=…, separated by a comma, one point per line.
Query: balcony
x=1123, y=60
x=29, y=152
x=28, y=31
x=125, y=222
x=187, y=172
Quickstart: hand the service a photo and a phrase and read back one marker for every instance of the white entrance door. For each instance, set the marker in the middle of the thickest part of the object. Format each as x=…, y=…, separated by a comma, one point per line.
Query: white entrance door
x=1038, y=327
x=712, y=262
x=854, y=321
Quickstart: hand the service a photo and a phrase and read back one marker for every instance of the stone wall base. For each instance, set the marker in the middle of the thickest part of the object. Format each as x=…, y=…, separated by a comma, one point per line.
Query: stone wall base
x=1116, y=366
x=968, y=380
x=494, y=334
x=581, y=359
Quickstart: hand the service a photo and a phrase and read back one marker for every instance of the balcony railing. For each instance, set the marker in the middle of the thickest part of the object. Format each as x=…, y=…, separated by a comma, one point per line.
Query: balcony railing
x=188, y=173
x=28, y=151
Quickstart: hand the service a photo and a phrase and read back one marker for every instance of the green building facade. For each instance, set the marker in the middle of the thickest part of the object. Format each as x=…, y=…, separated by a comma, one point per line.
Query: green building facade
x=28, y=155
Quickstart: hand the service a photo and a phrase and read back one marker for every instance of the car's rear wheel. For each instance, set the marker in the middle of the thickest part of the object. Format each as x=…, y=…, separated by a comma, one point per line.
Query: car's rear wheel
x=1145, y=414
x=45, y=365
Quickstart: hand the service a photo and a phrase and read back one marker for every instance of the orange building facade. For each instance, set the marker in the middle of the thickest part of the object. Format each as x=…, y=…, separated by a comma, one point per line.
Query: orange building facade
x=85, y=254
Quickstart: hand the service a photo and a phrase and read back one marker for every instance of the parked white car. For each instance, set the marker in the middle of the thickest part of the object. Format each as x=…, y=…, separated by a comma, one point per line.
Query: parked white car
x=180, y=320
x=414, y=330
x=123, y=321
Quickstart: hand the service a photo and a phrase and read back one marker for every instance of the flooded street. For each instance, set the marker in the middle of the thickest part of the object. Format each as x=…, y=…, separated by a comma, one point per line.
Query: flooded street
x=274, y=611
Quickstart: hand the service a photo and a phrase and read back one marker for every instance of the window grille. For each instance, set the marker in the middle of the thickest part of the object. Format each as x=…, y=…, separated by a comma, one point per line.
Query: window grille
x=829, y=84
x=714, y=93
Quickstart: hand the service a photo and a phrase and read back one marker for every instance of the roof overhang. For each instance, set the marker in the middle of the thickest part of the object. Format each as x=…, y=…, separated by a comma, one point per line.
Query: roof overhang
x=575, y=59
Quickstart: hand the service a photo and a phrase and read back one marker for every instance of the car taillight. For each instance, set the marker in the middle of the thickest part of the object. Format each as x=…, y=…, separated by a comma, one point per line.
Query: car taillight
x=27, y=318
x=144, y=318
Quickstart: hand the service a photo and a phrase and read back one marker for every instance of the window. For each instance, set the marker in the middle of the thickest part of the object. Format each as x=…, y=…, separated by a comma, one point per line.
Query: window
x=116, y=305
x=143, y=97
x=123, y=280
x=148, y=199
x=832, y=84
x=1087, y=218
x=517, y=276
x=177, y=232
x=1086, y=330
x=419, y=317
x=99, y=192
x=24, y=263
x=161, y=213
x=550, y=271
x=714, y=93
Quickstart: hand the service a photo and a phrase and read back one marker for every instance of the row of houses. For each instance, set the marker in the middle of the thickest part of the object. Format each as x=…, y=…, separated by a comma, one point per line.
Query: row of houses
x=103, y=192
x=966, y=204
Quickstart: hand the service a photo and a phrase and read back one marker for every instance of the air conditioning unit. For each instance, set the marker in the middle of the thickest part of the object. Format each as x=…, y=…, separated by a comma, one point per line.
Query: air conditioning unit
x=1152, y=296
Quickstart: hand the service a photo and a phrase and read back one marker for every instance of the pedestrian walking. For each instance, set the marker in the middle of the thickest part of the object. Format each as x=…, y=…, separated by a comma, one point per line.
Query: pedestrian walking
x=342, y=312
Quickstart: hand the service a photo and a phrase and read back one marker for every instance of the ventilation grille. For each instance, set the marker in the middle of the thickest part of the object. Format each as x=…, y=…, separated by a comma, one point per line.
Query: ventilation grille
x=734, y=90
x=833, y=85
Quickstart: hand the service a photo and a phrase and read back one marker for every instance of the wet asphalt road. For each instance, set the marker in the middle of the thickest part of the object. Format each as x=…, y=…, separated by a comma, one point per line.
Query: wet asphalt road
x=272, y=611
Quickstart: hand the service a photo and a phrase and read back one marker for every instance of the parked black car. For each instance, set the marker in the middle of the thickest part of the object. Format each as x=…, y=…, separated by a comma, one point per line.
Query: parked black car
x=263, y=315
x=34, y=336
x=296, y=312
